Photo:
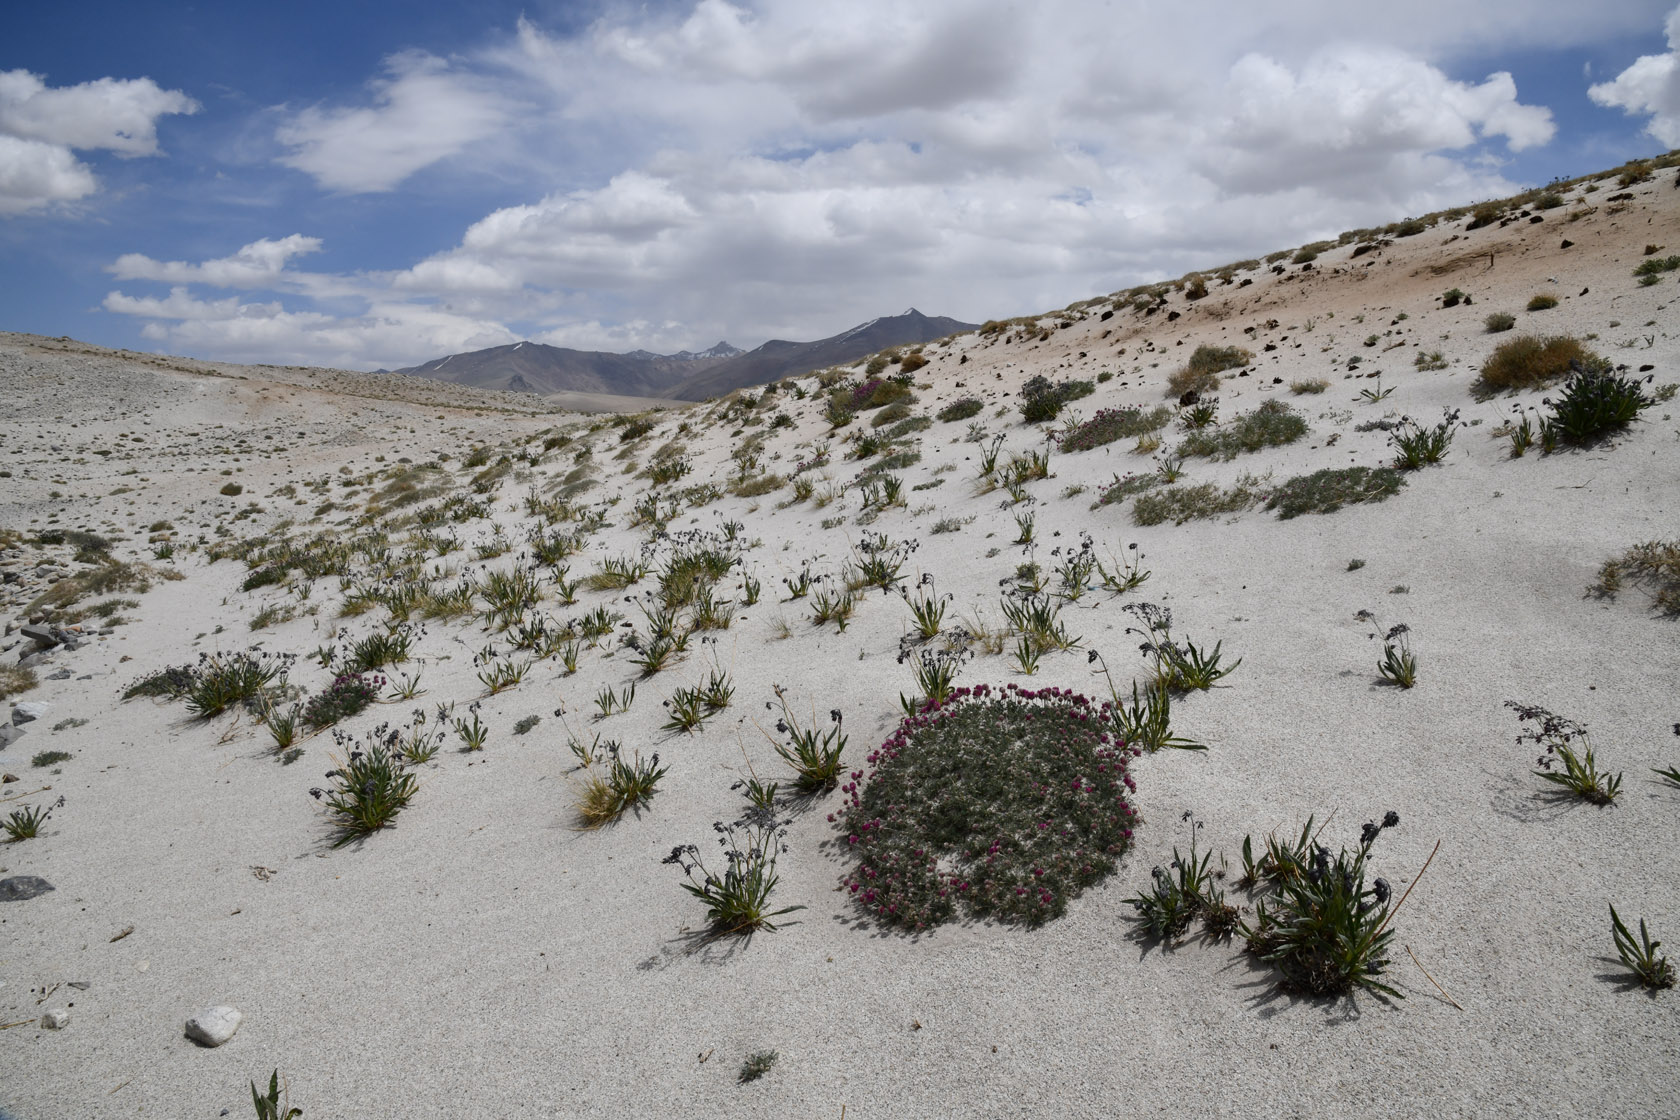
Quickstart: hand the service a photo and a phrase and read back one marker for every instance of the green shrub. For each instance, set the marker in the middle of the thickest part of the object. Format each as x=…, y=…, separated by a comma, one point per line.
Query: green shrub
x=1201, y=373
x=961, y=409
x=1042, y=400
x=1002, y=804
x=1650, y=267
x=891, y=414
x=1179, y=504
x=1499, y=321
x=633, y=430
x=1595, y=403
x=1273, y=424
x=1485, y=215
x=1328, y=490
x=348, y=694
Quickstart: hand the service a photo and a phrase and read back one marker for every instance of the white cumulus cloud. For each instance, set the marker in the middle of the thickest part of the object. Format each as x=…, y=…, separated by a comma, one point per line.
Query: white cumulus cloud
x=423, y=112
x=257, y=265
x=41, y=127
x=1651, y=86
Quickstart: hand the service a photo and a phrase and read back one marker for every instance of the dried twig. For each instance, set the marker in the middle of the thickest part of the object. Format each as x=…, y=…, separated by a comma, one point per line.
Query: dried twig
x=1432, y=979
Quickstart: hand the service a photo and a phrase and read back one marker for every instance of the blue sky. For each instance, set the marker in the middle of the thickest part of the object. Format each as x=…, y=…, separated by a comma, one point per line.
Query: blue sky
x=371, y=184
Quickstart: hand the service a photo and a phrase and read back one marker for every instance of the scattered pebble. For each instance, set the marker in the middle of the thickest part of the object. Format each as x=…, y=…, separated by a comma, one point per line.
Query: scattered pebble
x=214, y=1025
x=21, y=887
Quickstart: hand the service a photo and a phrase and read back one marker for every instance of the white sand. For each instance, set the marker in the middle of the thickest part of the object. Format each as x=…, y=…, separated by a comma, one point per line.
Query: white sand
x=485, y=958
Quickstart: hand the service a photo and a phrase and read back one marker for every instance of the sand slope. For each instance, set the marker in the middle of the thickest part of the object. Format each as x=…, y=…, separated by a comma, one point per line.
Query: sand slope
x=487, y=958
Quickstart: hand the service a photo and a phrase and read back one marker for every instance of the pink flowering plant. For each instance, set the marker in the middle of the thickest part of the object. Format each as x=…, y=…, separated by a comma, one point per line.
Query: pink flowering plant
x=996, y=803
x=348, y=694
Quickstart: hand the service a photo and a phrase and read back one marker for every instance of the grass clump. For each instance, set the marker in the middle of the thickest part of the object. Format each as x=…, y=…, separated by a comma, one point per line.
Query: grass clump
x=1312, y=385
x=738, y=900
x=813, y=754
x=961, y=409
x=1324, y=929
x=220, y=682
x=1542, y=302
x=1179, y=897
x=757, y=486
x=50, y=758
x=1328, y=490
x=757, y=1065
x=1273, y=424
x=370, y=787
x=17, y=678
x=1416, y=446
x=25, y=824
x=1125, y=487
x=1499, y=321
x=1653, y=566
x=1527, y=362
x=1201, y=373
x=621, y=787
x=1650, y=268
x=1110, y=424
x=1002, y=804
x=1650, y=968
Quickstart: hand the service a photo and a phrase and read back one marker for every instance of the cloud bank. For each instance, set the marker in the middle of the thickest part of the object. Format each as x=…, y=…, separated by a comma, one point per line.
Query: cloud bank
x=784, y=169
x=41, y=128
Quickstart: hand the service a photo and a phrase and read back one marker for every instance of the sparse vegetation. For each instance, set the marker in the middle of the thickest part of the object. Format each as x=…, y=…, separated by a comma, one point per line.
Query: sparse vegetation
x=1653, y=566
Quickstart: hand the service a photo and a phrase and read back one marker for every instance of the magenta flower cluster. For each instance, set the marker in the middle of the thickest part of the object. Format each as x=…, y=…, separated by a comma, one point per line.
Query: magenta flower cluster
x=1001, y=803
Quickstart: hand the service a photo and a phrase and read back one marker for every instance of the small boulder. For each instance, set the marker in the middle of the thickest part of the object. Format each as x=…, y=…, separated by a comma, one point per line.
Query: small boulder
x=29, y=711
x=214, y=1025
x=41, y=634
x=9, y=735
x=56, y=1019
x=21, y=887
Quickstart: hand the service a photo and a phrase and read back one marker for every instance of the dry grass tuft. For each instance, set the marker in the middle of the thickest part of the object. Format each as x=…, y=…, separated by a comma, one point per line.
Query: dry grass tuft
x=1527, y=362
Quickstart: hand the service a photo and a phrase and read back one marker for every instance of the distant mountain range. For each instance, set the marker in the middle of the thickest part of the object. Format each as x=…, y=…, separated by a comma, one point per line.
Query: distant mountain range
x=532, y=367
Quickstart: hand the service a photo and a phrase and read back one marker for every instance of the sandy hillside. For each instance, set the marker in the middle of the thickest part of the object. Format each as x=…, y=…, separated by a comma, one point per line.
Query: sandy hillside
x=487, y=956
